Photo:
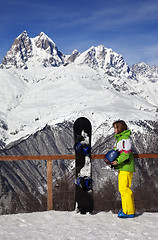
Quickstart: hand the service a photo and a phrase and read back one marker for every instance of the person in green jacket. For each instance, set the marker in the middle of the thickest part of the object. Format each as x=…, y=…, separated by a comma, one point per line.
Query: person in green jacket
x=125, y=165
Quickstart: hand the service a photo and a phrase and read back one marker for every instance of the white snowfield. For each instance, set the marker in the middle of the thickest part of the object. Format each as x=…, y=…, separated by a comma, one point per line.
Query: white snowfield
x=32, y=98
x=58, y=225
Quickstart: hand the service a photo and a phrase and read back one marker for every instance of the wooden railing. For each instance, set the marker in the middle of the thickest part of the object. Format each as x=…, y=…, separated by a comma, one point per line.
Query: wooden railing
x=50, y=158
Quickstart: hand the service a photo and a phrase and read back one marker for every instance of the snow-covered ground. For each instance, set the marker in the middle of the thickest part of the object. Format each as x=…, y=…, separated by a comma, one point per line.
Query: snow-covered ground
x=58, y=225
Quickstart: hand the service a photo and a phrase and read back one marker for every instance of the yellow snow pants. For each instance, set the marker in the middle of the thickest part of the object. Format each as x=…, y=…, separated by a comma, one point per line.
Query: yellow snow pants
x=124, y=186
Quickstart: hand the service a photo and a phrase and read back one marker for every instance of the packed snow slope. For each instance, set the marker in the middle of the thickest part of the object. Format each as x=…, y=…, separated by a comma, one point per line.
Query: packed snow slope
x=97, y=84
x=71, y=226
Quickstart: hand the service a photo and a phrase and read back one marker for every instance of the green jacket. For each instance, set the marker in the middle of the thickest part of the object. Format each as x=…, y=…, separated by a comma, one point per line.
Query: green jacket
x=123, y=144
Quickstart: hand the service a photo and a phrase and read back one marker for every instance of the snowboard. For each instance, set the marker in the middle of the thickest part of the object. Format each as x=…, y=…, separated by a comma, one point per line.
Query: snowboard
x=82, y=144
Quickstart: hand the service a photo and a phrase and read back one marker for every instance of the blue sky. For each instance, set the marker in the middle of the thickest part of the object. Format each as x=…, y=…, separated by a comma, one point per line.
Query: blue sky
x=129, y=27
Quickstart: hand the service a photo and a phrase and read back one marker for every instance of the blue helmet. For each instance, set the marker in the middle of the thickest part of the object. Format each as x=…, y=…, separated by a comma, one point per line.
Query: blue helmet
x=112, y=155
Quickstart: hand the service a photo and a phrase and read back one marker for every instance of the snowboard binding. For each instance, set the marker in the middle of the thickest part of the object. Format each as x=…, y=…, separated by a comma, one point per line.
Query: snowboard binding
x=86, y=183
x=83, y=149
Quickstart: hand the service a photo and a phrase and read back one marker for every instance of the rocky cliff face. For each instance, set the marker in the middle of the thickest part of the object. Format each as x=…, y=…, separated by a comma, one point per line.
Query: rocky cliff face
x=25, y=182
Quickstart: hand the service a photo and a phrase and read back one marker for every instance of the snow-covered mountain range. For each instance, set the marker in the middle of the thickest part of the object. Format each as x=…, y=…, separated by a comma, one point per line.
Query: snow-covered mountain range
x=56, y=87
x=42, y=92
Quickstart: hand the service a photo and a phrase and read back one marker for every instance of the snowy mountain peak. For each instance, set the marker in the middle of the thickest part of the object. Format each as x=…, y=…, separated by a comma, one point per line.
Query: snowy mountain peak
x=23, y=35
x=19, y=52
x=42, y=35
x=44, y=42
x=41, y=51
x=27, y=52
x=71, y=58
x=105, y=58
x=146, y=71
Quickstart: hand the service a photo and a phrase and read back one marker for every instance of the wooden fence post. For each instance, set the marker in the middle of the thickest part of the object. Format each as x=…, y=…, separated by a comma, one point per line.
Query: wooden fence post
x=49, y=186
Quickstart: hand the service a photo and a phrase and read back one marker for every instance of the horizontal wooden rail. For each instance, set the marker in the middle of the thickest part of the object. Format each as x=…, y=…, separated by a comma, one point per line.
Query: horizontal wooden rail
x=65, y=157
x=136, y=155
x=146, y=155
x=36, y=157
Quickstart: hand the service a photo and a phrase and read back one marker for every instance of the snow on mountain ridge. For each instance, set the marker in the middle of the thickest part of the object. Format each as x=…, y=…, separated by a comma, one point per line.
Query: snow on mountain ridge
x=42, y=41
x=106, y=59
x=97, y=84
x=27, y=52
x=145, y=71
x=40, y=50
x=53, y=95
x=19, y=52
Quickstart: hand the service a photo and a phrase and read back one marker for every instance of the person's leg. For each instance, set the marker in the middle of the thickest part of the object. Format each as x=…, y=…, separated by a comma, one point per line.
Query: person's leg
x=124, y=184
